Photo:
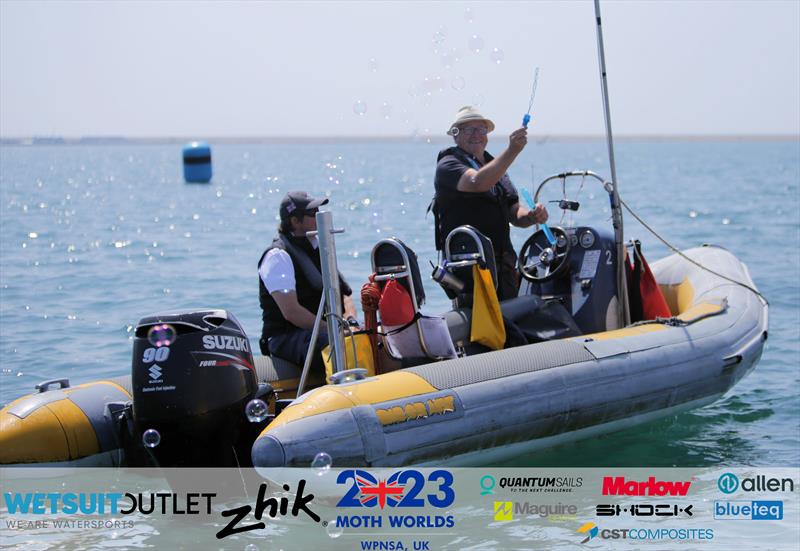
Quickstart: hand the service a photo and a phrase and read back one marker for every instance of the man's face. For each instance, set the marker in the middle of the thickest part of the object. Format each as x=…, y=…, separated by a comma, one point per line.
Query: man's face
x=472, y=137
x=306, y=223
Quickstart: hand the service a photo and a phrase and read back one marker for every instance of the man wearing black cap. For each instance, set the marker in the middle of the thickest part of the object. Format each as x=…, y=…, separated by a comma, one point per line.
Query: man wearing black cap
x=290, y=284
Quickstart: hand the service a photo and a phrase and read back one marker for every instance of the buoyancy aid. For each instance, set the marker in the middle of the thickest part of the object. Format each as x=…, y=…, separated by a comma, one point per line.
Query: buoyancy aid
x=308, y=284
x=488, y=212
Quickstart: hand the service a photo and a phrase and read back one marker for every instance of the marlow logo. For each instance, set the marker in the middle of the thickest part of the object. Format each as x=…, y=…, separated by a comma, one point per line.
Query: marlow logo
x=503, y=510
x=617, y=485
x=590, y=528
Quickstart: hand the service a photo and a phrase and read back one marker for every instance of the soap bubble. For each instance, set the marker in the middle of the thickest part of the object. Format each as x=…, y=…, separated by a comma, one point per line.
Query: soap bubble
x=458, y=83
x=256, y=410
x=373, y=65
x=475, y=43
x=333, y=529
x=497, y=55
x=251, y=547
x=322, y=463
x=360, y=107
x=161, y=335
x=468, y=15
x=477, y=100
x=151, y=438
x=386, y=110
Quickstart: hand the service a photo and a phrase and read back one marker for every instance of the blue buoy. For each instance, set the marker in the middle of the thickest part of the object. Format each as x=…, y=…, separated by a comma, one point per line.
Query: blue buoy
x=197, y=162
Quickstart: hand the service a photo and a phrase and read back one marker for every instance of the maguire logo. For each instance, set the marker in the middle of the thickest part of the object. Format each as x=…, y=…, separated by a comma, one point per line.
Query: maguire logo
x=401, y=489
x=503, y=511
x=729, y=483
x=748, y=510
x=619, y=486
x=590, y=529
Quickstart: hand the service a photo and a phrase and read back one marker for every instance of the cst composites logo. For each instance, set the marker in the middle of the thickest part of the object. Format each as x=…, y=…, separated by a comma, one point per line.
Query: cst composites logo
x=729, y=483
x=408, y=488
x=590, y=531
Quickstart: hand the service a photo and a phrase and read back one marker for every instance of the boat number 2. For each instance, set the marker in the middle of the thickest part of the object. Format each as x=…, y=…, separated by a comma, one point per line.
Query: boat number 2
x=608, y=258
x=403, y=488
x=155, y=354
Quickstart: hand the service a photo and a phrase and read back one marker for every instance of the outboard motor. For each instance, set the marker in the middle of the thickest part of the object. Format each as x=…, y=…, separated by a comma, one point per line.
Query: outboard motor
x=193, y=375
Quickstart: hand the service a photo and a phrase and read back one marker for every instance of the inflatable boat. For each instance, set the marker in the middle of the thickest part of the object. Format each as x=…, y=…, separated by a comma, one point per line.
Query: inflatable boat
x=196, y=396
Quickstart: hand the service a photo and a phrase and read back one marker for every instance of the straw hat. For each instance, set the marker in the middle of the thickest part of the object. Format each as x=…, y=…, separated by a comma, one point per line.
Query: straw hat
x=469, y=114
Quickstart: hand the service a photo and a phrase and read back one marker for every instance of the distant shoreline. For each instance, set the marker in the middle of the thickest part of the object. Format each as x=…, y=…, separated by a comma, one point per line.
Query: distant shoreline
x=535, y=139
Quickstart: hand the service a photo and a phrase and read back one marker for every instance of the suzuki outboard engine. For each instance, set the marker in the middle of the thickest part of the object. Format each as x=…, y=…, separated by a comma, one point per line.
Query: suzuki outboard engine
x=193, y=374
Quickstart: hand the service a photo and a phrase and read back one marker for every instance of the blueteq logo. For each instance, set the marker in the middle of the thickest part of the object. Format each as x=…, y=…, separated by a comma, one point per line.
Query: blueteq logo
x=748, y=510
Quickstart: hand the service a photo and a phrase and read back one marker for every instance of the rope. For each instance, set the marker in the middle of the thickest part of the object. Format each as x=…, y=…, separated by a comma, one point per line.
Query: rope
x=676, y=251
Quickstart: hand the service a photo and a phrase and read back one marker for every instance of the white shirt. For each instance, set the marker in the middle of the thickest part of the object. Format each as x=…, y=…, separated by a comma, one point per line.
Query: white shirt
x=277, y=271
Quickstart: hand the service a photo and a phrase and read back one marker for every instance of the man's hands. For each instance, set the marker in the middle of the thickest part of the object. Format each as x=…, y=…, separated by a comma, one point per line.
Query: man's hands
x=517, y=141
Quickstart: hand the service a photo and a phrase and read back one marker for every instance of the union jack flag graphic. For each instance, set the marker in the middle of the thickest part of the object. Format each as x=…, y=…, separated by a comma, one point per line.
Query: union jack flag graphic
x=379, y=492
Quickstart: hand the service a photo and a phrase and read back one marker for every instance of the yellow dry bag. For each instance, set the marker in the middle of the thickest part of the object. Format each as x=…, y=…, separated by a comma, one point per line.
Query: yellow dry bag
x=488, y=328
x=363, y=357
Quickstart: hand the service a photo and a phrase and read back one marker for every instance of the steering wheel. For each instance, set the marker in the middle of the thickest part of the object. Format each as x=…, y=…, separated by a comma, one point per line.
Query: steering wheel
x=539, y=261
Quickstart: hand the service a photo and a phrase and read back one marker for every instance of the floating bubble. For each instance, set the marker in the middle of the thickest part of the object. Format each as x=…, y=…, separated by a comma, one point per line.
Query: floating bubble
x=726, y=221
x=468, y=15
x=322, y=463
x=333, y=529
x=251, y=547
x=162, y=335
x=497, y=55
x=360, y=107
x=477, y=100
x=475, y=43
x=373, y=65
x=439, y=36
x=151, y=438
x=458, y=83
x=692, y=214
x=256, y=410
x=386, y=110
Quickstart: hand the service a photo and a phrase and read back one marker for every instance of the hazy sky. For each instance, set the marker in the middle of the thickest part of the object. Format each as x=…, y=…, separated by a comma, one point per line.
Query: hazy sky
x=204, y=69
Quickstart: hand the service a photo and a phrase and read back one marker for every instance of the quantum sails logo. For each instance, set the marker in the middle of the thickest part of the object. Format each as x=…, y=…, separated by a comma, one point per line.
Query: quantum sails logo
x=530, y=484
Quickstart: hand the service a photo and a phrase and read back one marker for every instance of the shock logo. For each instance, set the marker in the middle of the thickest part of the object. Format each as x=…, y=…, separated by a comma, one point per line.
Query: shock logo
x=401, y=489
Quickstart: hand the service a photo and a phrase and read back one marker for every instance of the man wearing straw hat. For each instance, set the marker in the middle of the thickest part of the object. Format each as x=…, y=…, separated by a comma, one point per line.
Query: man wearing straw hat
x=472, y=187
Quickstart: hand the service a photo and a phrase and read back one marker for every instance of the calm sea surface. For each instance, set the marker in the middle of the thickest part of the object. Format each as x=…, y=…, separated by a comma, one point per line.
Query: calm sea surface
x=95, y=237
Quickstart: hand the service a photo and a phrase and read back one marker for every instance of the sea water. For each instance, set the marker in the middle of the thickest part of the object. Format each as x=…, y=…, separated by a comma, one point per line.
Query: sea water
x=96, y=237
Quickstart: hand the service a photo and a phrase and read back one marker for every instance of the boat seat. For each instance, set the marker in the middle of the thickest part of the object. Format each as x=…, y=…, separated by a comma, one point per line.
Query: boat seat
x=465, y=247
x=393, y=260
x=537, y=319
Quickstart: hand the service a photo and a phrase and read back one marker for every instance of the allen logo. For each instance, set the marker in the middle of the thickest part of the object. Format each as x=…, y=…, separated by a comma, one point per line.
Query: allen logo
x=503, y=511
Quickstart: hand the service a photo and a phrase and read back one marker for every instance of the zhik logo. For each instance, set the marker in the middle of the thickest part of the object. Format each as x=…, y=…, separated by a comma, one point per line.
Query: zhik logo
x=590, y=528
x=503, y=511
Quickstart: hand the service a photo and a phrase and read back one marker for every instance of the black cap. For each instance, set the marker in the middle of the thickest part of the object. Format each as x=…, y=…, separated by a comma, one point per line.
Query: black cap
x=297, y=202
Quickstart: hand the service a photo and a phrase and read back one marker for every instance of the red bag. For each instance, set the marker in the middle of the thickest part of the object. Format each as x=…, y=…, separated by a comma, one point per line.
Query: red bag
x=644, y=295
x=395, y=305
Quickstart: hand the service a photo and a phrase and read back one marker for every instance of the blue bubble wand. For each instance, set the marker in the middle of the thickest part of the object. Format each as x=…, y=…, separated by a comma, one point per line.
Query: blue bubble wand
x=527, y=118
x=525, y=193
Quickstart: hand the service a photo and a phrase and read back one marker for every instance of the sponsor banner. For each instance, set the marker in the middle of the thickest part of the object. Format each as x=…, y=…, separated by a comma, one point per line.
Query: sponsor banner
x=404, y=508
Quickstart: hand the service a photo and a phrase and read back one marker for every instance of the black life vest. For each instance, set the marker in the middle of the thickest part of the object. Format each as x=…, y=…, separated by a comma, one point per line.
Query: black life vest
x=488, y=212
x=308, y=285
